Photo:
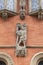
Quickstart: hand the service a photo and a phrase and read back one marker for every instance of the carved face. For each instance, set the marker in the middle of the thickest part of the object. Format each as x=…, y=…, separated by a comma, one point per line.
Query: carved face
x=22, y=15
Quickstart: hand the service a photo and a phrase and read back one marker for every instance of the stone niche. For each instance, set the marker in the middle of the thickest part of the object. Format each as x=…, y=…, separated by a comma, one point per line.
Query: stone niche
x=21, y=37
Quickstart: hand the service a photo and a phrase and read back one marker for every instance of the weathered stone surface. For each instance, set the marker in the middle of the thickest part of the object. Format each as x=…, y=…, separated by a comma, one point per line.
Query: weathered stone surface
x=21, y=33
x=40, y=15
x=6, y=58
x=22, y=9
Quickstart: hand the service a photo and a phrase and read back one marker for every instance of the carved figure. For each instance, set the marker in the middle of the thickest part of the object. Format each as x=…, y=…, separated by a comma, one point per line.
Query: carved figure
x=21, y=39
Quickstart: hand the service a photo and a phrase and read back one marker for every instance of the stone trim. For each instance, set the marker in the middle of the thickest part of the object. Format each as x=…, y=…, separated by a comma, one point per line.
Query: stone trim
x=15, y=6
x=12, y=46
x=6, y=58
x=36, y=58
x=33, y=46
x=7, y=46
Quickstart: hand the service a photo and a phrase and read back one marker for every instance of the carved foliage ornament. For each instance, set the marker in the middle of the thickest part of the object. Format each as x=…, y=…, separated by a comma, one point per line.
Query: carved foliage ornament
x=21, y=33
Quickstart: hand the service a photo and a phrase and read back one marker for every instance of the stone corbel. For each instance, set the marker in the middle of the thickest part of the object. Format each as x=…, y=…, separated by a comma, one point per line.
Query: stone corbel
x=40, y=15
x=22, y=9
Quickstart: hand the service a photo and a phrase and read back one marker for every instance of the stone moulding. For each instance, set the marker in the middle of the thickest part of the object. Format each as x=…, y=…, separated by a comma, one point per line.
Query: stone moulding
x=36, y=58
x=7, y=58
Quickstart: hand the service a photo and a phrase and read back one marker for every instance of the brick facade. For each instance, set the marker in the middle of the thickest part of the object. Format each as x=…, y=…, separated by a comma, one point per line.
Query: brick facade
x=34, y=37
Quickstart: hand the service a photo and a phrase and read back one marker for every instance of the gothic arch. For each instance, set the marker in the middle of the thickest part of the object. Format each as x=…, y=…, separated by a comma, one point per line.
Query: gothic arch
x=6, y=58
x=36, y=58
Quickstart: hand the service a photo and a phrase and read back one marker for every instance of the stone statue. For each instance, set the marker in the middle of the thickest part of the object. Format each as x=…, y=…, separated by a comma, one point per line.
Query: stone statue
x=21, y=33
x=22, y=9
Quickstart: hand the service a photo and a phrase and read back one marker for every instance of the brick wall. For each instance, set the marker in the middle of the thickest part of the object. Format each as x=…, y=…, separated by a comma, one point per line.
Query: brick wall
x=34, y=37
